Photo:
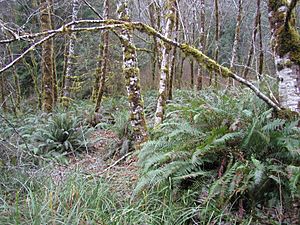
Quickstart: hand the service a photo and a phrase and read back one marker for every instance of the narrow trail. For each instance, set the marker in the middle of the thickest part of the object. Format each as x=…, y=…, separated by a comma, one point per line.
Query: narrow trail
x=121, y=176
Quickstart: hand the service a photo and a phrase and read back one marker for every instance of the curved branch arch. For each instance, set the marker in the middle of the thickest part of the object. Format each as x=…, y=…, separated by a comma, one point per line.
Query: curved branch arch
x=111, y=24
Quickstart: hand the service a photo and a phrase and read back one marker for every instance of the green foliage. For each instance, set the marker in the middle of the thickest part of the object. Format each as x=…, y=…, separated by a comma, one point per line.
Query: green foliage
x=121, y=124
x=78, y=201
x=62, y=133
x=233, y=153
x=217, y=154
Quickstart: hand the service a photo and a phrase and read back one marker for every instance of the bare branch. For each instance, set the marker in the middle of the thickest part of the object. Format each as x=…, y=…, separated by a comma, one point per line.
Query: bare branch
x=202, y=59
x=53, y=33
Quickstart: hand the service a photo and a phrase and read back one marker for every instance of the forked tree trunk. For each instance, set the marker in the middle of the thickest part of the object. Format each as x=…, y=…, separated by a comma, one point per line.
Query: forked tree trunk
x=132, y=78
x=47, y=58
x=286, y=47
x=103, y=60
x=71, y=59
x=165, y=64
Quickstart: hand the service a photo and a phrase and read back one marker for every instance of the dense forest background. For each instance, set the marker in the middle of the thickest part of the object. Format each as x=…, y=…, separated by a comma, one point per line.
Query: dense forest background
x=24, y=16
x=149, y=112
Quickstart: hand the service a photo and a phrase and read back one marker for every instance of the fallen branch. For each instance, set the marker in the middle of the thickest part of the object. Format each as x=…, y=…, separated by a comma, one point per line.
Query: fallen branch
x=113, y=165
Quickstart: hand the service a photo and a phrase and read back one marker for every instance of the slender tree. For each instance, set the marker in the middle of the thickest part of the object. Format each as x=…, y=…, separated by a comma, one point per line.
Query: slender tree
x=16, y=82
x=257, y=24
x=174, y=57
x=154, y=14
x=261, y=50
x=286, y=47
x=217, y=39
x=165, y=63
x=47, y=57
x=3, y=93
x=71, y=59
x=202, y=43
x=101, y=70
x=237, y=35
x=132, y=78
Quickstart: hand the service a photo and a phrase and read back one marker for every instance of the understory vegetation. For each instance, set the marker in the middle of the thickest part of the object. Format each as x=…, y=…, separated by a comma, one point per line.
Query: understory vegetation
x=220, y=157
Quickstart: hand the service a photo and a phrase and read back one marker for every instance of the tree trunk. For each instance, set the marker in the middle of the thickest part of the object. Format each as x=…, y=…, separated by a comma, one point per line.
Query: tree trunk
x=286, y=48
x=261, y=50
x=173, y=62
x=3, y=93
x=181, y=71
x=202, y=44
x=103, y=60
x=47, y=58
x=236, y=39
x=257, y=24
x=132, y=79
x=16, y=82
x=217, y=40
x=154, y=22
x=71, y=59
x=192, y=72
x=165, y=64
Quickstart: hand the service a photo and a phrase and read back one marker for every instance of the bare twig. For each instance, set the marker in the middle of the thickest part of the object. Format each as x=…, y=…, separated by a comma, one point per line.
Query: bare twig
x=113, y=165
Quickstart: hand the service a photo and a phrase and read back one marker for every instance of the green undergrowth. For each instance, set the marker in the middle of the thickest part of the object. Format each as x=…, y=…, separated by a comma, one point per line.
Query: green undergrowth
x=218, y=158
x=231, y=151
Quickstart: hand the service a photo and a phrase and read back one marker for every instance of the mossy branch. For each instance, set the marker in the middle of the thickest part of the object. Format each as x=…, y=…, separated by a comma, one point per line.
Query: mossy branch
x=201, y=58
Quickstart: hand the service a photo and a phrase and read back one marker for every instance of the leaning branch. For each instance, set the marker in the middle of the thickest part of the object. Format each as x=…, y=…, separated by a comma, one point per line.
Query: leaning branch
x=207, y=62
x=201, y=58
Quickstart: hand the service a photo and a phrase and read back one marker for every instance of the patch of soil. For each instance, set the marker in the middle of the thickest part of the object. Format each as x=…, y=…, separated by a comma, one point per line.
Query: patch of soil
x=121, y=176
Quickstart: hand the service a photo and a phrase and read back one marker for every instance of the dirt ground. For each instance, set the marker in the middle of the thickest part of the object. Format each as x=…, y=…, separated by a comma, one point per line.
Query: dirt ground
x=120, y=173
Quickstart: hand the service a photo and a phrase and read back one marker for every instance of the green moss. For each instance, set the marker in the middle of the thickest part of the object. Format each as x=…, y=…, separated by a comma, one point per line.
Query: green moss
x=288, y=115
x=289, y=43
x=129, y=71
x=205, y=61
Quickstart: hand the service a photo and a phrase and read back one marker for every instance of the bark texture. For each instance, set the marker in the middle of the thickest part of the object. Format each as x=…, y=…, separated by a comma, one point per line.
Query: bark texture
x=217, y=39
x=237, y=35
x=3, y=105
x=103, y=61
x=202, y=44
x=47, y=58
x=286, y=47
x=165, y=64
x=256, y=29
x=154, y=14
x=132, y=78
x=71, y=59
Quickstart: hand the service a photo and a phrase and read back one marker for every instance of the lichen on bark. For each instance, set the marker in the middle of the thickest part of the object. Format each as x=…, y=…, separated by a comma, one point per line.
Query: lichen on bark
x=47, y=58
x=165, y=63
x=132, y=79
x=286, y=48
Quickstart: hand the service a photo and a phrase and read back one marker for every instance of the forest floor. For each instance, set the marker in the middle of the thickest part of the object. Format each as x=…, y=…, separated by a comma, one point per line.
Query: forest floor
x=120, y=172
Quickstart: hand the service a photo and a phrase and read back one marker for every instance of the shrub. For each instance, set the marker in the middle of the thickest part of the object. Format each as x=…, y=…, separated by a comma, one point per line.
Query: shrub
x=232, y=168
x=62, y=133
